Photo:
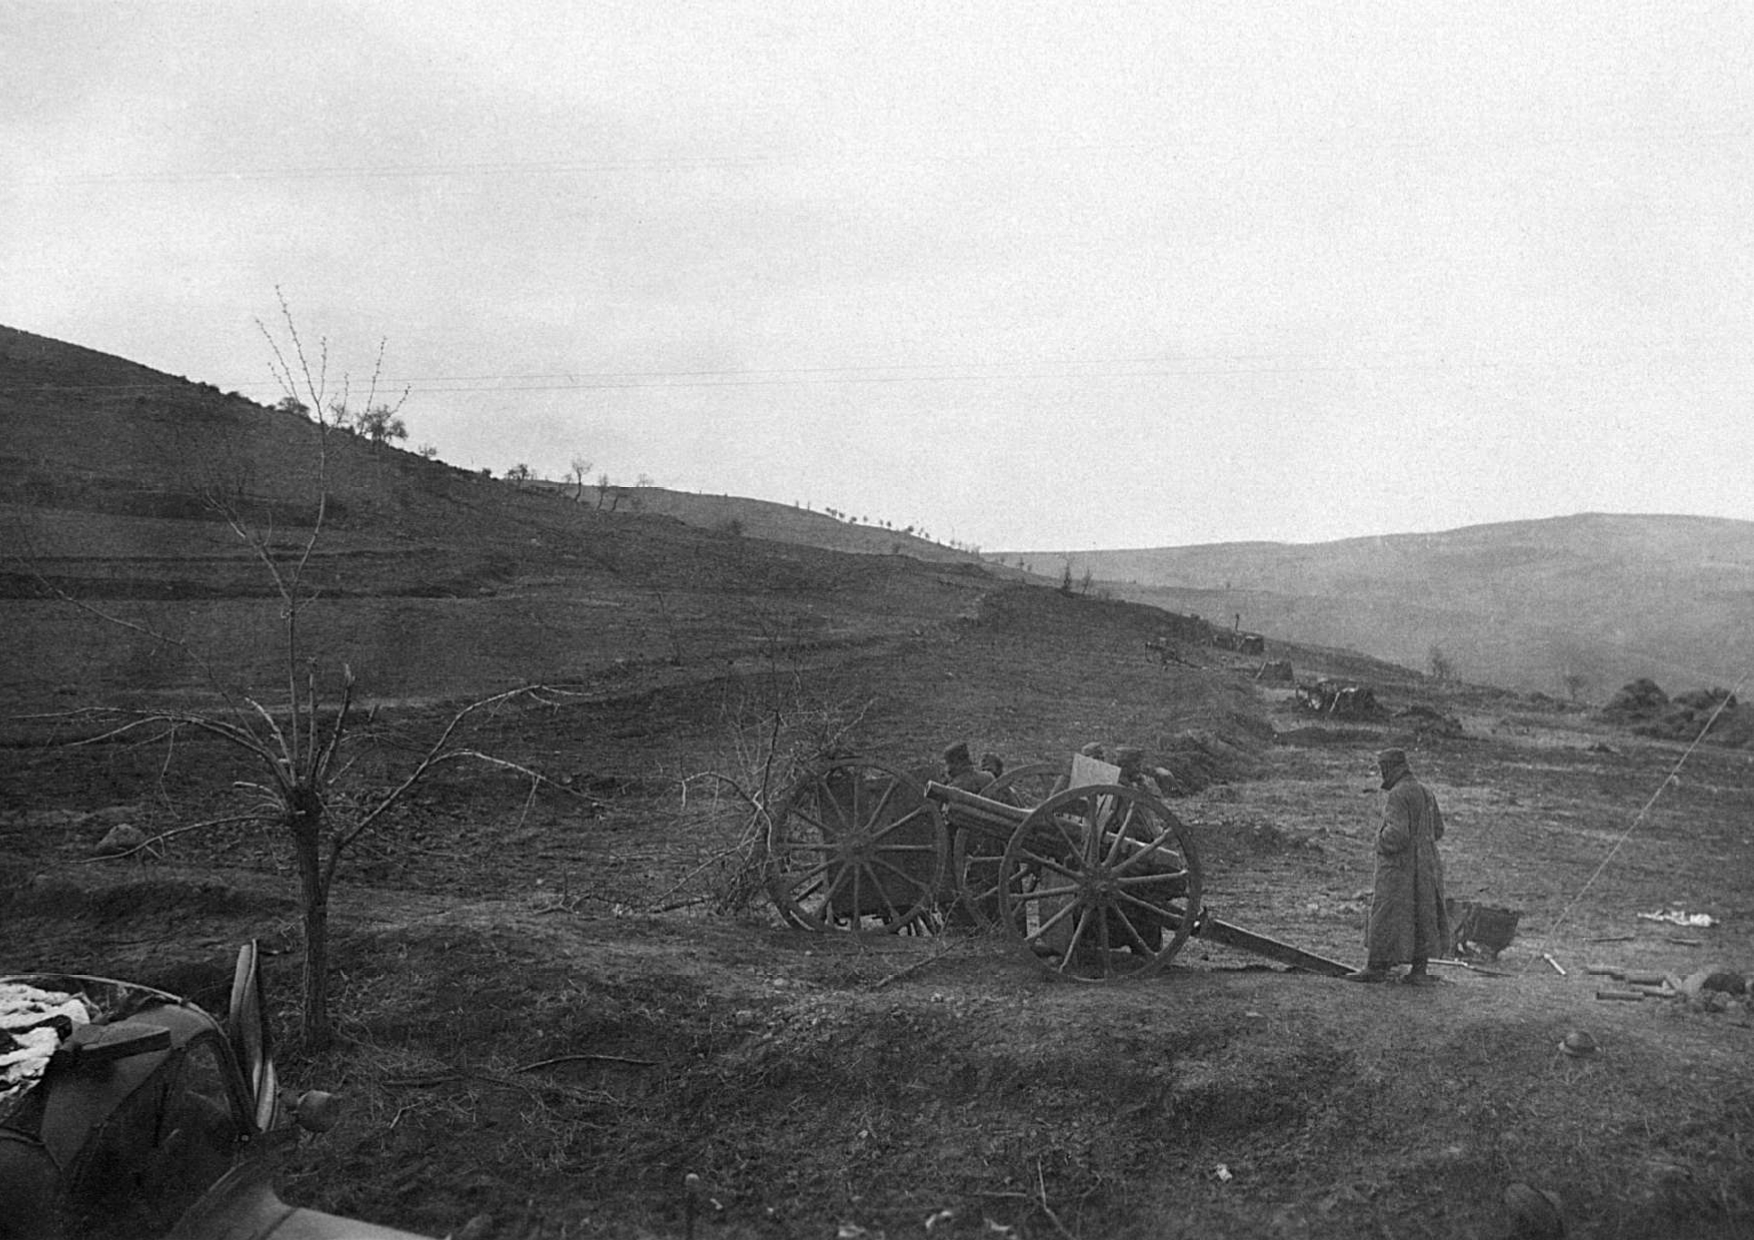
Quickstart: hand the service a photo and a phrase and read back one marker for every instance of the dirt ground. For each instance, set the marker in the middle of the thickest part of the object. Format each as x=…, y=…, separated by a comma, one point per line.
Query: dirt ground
x=550, y=1017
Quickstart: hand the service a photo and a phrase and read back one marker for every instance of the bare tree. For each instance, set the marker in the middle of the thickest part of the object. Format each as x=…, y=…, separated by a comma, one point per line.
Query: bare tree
x=776, y=730
x=1439, y=664
x=518, y=474
x=296, y=747
x=580, y=467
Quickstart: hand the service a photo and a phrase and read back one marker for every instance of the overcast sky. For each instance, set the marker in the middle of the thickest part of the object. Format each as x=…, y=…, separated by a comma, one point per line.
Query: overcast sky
x=1032, y=275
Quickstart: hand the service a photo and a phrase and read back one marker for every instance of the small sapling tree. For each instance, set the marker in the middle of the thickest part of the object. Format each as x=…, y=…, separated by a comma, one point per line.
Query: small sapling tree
x=296, y=746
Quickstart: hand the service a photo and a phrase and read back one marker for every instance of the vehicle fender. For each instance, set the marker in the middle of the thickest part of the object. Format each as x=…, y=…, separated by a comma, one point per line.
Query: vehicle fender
x=244, y=1206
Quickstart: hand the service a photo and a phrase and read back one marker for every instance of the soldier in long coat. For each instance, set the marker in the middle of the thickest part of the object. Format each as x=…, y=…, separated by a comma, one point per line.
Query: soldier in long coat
x=1408, y=923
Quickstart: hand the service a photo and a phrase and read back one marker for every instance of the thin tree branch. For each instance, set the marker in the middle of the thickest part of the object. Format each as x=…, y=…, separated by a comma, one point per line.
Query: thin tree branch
x=150, y=841
x=242, y=737
x=437, y=755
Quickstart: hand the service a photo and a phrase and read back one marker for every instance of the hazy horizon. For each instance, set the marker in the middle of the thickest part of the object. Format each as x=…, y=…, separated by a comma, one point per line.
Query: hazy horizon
x=1133, y=275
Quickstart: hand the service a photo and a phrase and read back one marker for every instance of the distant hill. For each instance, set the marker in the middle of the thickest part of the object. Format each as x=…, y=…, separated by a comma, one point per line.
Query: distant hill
x=1586, y=602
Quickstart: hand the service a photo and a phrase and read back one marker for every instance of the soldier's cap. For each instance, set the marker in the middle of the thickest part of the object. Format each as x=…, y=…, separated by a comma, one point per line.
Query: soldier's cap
x=957, y=755
x=1392, y=757
x=1092, y=750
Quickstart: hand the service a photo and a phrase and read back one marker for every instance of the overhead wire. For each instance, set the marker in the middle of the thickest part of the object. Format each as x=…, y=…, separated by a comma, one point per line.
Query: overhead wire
x=1672, y=779
x=1318, y=145
x=1037, y=370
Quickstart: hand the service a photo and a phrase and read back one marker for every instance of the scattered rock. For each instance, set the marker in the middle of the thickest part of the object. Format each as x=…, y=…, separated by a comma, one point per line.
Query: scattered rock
x=1578, y=1044
x=476, y=1228
x=1534, y=1214
x=1724, y=981
x=1729, y=981
x=121, y=838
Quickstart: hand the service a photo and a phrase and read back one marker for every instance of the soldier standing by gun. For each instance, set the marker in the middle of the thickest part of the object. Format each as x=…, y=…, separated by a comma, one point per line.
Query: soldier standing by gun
x=1408, y=921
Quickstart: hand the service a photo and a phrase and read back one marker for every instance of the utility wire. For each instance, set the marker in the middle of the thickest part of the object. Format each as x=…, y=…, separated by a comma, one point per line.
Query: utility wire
x=1669, y=779
x=1315, y=147
x=928, y=373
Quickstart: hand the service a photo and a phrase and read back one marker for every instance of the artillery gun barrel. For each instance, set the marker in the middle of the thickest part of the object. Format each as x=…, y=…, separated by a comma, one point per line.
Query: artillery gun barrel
x=970, y=810
x=972, y=807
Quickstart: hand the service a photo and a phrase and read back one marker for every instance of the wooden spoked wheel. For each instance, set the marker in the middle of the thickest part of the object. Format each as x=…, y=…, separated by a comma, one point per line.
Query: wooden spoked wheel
x=856, y=846
x=1100, y=884
x=975, y=853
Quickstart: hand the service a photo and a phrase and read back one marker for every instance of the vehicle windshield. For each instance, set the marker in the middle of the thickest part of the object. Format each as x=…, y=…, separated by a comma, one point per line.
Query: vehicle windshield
x=164, y=1146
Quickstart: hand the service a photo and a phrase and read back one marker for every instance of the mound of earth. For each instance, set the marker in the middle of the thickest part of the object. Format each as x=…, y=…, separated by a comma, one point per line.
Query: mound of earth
x=1639, y=699
x=1711, y=713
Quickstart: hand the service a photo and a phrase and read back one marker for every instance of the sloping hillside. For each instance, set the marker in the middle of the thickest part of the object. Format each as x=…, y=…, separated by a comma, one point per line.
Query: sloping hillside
x=1598, y=598
x=115, y=482
x=760, y=518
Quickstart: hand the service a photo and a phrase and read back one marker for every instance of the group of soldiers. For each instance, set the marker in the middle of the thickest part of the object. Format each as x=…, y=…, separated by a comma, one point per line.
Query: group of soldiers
x=961, y=770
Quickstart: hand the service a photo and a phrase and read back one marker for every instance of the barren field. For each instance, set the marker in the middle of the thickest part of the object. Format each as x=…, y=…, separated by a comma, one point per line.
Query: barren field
x=557, y=1006
x=557, y=1001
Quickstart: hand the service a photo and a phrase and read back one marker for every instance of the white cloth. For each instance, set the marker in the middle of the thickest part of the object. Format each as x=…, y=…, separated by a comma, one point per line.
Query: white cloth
x=30, y=1035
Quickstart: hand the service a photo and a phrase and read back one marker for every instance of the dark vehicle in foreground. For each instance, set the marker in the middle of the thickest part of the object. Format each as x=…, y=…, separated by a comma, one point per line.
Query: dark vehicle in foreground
x=127, y=1111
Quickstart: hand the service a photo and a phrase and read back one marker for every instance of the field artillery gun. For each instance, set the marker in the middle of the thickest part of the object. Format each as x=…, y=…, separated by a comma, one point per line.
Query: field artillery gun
x=1094, y=881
